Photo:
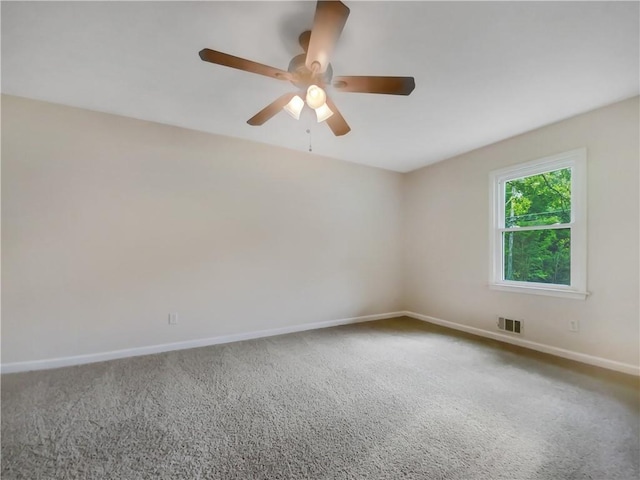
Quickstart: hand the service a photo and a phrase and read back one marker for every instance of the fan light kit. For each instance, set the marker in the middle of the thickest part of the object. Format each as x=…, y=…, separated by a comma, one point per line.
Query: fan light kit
x=312, y=73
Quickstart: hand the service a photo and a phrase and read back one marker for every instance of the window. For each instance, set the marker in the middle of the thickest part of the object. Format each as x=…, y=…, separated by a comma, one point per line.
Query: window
x=538, y=230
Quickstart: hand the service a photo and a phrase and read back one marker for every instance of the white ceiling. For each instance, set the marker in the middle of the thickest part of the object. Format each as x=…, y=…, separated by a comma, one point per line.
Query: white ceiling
x=484, y=71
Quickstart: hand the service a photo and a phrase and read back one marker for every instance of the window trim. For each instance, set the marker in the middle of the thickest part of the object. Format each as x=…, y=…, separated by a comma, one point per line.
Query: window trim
x=577, y=161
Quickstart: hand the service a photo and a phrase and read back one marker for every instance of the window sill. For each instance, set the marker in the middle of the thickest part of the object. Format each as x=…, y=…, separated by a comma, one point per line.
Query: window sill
x=534, y=290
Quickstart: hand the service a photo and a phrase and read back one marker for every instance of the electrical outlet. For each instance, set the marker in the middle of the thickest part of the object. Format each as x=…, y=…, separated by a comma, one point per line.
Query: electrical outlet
x=173, y=319
x=574, y=325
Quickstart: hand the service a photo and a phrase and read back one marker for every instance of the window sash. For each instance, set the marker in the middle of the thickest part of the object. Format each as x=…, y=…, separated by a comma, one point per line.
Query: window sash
x=506, y=179
x=554, y=226
x=529, y=283
x=502, y=185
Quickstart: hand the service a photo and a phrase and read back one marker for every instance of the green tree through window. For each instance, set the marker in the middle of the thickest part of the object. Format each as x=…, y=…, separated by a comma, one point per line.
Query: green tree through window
x=536, y=247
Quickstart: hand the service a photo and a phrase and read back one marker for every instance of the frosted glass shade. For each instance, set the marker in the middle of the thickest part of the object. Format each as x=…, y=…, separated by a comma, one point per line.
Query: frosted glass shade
x=294, y=107
x=323, y=112
x=316, y=97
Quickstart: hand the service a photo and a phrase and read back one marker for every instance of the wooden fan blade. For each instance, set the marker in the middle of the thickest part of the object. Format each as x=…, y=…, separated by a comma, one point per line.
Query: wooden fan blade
x=386, y=85
x=328, y=23
x=336, y=122
x=270, y=110
x=227, y=60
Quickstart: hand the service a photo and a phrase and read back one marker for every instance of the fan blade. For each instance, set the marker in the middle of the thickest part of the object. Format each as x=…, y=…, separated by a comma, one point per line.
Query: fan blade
x=386, y=85
x=227, y=60
x=270, y=110
x=336, y=122
x=328, y=23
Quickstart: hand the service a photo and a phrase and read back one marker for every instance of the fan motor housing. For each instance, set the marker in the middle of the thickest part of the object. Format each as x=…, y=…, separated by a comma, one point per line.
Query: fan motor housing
x=305, y=77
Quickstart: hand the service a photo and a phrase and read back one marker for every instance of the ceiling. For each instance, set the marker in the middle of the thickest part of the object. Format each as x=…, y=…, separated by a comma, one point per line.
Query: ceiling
x=484, y=71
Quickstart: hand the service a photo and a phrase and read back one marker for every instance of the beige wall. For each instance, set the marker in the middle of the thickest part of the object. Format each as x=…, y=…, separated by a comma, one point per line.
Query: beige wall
x=446, y=226
x=109, y=224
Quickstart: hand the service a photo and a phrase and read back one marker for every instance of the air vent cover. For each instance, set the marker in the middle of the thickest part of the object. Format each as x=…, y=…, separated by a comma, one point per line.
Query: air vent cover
x=510, y=325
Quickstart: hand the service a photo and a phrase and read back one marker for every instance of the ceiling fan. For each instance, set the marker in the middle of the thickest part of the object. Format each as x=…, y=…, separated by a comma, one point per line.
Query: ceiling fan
x=312, y=73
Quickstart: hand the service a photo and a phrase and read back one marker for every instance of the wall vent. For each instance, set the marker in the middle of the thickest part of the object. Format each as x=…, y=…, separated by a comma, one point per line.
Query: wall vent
x=509, y=325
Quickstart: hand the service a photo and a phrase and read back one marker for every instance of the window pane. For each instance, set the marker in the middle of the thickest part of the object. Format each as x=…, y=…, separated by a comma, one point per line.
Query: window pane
x=542, y=256
x=542, y=199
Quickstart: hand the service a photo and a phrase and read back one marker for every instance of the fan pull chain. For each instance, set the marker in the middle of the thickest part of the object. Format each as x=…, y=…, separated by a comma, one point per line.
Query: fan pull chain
x=310, y=147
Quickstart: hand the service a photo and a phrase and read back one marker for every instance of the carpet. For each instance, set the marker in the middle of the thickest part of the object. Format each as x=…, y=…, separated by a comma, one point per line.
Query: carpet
x=391, y=399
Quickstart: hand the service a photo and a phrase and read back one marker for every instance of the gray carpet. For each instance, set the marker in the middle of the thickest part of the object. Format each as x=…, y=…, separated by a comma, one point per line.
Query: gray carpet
x=381, y=400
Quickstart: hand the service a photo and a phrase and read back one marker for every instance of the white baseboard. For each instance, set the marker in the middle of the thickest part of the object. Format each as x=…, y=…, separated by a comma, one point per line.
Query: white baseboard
x=203, y=342
x=167, y=347
x=559, y=352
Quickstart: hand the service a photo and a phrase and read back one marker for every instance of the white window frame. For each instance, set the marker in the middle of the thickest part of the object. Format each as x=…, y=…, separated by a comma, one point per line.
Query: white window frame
x=577, y=161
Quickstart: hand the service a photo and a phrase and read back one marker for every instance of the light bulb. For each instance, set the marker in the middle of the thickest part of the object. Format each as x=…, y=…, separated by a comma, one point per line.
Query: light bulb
x=294, y=107
x=315, y=96
x=323, y=112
